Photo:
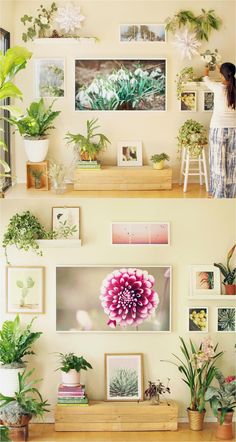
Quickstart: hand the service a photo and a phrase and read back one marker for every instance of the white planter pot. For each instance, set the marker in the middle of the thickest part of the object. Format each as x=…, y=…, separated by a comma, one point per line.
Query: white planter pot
x=9, y=383
x=71, y=379
x=36, y=150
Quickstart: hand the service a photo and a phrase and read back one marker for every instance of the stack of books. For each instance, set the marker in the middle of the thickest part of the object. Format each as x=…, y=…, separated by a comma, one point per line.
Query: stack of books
x=72, y=395
x=91, y=165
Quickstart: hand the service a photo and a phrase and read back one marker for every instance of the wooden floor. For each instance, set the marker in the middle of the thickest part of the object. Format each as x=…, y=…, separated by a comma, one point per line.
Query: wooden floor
x=194, y=191
x=46, y=433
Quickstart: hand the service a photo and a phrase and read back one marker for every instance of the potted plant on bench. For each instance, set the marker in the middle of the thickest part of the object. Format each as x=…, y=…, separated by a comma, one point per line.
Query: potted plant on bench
x=228, y=273
x=158, y=160
x=71, y=366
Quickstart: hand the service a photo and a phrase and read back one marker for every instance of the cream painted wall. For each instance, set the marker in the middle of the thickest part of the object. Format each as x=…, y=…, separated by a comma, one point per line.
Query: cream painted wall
x=201, y=232
x=157, y=130
x=7, y=15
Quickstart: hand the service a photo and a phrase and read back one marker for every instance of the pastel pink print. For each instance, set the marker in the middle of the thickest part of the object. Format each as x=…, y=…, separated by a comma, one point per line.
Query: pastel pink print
x=140, y=233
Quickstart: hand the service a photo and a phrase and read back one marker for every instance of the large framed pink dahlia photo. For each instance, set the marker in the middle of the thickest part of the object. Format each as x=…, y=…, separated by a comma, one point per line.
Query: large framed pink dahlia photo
x=113, y=299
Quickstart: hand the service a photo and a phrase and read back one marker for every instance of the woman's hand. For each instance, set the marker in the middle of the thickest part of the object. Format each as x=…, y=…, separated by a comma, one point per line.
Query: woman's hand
x=206, y=71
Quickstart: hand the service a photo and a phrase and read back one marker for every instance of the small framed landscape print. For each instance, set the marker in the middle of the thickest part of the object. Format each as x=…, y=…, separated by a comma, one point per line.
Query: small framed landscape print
x=129, y=153
x=50, y=77
x=198, y=319
x=188, y=101
x=142, y=33
x=25, y=289
x=226, y=319
x=140, y=233
x=64, y=217
x=204, y=280
x=208, y=101
x=124, y=377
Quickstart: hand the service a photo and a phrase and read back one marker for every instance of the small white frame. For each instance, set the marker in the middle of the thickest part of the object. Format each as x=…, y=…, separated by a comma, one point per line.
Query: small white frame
x=125, y=150
x=190, y=310
x=37, y=66
x=194, y=109
x=217, y=319
x=142, y=41
x=195, y=271
x=204, y=102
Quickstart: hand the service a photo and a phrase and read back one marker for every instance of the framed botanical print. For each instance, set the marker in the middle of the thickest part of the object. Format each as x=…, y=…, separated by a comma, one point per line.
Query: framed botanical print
x=66, y=217
x=226, y=319
x=50, y=77
x=129, y=153
x=204, y=280
x=198, y=319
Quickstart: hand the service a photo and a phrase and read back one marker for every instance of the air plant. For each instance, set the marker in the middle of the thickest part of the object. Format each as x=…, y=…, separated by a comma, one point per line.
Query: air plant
x=228, y=273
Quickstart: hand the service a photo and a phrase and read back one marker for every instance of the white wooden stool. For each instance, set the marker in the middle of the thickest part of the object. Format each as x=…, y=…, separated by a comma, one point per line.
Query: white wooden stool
x=199, y=168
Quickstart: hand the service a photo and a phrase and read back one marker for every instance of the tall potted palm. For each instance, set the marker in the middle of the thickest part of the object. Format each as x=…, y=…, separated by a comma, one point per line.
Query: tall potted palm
x=198, y=371
x=228, y=273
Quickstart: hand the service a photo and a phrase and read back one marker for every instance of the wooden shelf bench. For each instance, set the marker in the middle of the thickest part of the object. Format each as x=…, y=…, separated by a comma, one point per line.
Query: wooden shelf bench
x=117, y=416
x=123, y=178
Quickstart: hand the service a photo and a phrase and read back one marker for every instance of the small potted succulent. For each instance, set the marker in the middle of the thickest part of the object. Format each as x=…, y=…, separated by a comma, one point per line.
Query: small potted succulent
x=158, y=160
x=155, y=390
x=228, y=273
x=34, y=126
x=71, y=366
x=223, y=401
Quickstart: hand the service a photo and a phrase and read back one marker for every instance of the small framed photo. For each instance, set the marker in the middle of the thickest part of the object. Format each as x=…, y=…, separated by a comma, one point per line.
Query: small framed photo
x=204, y=280
x=25, y=289
x=208, y=101
x=226, y=319
x=129, y=153
x=188, y=101
x=140, y=233
x=198, y=319
x=66, y=217
x=124, y=376
x=142, y=33
x=50, y=77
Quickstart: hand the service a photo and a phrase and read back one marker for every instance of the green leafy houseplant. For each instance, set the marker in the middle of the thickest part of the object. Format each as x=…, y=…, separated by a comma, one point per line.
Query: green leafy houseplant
x=155, y=390
x=193, y=137
x=4, y=434
x=160, y=157
x=39, y=25
x=184, y=76
x=16, y=342
x=228, y=273
x=70, y=361
x=88, y=147
x=202, y=24
x=198, y=370
x=223, y=398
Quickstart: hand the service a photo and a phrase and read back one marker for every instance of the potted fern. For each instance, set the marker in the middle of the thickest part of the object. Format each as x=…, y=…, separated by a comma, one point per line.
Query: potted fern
x=228, y=273
x=158, y=160
x=34, y=126
x=15, y=344
x=71, y=366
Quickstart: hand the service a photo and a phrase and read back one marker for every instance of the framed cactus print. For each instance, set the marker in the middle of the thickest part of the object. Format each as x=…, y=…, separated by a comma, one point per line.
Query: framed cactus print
x=113, y=299
x=124, y=377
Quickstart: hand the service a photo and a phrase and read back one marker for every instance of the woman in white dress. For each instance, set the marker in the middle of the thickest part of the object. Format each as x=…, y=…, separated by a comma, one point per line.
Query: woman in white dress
x=222, y=135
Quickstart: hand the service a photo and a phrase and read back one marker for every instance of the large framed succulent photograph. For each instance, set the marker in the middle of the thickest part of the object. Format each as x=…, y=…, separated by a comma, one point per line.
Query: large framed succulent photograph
x=113, y=299
x=109, y=85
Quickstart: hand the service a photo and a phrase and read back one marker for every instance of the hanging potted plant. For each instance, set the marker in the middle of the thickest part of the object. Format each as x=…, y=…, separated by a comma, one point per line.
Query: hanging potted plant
x=223, y=401
x=158, y=160
x=71, y=366
x=34, y=126
x=198, y=371
x=15, y=344
x=228, y=273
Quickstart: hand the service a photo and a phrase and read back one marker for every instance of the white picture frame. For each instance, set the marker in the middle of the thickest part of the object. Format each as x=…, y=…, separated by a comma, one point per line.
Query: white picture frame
x=140, y=233
x=186, y=106
x=142, y=33
x=204, y=280
x=197, y=319
x=208, y=101
x=225, y=319
x=68, y=214
x=49, y=77
x=129, y=154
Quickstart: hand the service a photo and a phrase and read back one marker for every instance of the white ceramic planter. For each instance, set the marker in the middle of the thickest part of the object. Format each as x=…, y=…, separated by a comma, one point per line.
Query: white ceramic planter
x=71, y=379
x=9, y=383
x=36, y=150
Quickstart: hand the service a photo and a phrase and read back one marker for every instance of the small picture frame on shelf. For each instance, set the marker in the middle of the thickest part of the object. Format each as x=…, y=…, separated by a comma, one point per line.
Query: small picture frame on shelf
x=25, y=289
x=226, y=319
x=204, y=280
x=139, y=33
x=188, y=101
x=64, y=217
x=208, y=101
x=37, y=176
x=129, y=154
x=124, y=376
x=198, y=319
x=50, y=77
x=140, y=233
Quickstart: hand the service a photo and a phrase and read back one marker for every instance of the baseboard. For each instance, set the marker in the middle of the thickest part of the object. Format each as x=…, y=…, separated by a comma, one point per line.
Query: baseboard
x=181, y=420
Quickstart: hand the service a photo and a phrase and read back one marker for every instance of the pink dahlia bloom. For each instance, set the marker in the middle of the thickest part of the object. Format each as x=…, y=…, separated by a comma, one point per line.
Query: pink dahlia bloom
x=127, y=297
x=230, y=379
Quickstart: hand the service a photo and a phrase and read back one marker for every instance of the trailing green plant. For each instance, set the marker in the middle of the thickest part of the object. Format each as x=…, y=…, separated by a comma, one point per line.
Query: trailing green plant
x=26, y=401
x=4, y=434
x=39, y=25
x=228, y=273
x=223, y=398
x=198, y=369
x=202, y=24
x=184, y=76
x=37, y=120
x=193, y=137
x=25, y=229
x=88, y=146
x=160, y=157
x=212, y=58
x=70, y=361
x=124, y=383
x=16, y=342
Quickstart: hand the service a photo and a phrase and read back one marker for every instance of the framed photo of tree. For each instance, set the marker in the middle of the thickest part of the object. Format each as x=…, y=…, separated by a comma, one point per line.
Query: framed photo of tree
x=124, y=376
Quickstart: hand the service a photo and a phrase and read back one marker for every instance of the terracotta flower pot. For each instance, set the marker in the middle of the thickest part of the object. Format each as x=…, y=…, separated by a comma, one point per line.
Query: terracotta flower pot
x=225, y=430
x=196, y=419
x=230, y=289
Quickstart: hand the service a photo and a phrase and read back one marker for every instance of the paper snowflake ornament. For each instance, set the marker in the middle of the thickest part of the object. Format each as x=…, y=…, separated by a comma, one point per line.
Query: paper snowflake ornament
x=187, y=43
x=69, y=18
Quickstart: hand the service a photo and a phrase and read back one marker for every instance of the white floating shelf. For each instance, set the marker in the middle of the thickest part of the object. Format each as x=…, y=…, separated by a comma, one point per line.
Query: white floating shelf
x=80, y=40
x=59, y=243
x=212, y=298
